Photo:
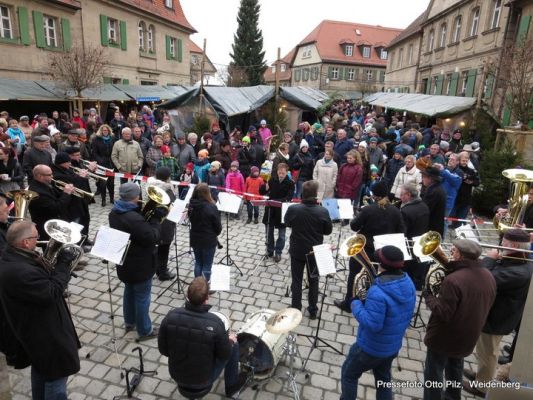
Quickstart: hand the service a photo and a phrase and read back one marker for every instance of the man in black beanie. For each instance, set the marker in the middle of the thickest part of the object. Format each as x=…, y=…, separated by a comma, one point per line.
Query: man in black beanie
x=379, y=218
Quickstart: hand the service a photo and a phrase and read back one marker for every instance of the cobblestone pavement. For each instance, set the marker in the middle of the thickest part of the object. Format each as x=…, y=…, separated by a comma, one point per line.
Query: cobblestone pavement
x=260, y=287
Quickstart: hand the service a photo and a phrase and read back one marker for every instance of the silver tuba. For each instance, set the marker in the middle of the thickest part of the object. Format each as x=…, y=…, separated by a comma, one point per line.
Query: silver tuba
x=62, y=237
x=429, y=245
x=352, y=247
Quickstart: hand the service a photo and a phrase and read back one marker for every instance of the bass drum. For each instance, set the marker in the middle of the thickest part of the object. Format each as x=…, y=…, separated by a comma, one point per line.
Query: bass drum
x=260, y=350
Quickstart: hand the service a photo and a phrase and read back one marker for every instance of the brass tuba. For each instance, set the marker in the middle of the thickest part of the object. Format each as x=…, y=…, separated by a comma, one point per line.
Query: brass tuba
x=22, y=199
x=62, y=236
x=352, y=247
x=429, y=245
x=157, y=198
x=520, y=181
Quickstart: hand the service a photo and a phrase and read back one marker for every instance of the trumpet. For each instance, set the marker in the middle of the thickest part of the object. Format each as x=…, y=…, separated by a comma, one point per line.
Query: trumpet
x=89, y=174
x=76, y=192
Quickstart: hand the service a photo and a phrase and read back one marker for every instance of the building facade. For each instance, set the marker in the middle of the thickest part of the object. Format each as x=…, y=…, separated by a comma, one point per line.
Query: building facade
x=145, y=41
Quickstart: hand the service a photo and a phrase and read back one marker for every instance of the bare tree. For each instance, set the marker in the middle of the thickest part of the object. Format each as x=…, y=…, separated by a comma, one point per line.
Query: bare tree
x=516, y=74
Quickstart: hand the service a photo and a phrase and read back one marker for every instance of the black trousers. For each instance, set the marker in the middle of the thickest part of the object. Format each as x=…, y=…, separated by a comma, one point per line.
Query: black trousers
x=297, y=271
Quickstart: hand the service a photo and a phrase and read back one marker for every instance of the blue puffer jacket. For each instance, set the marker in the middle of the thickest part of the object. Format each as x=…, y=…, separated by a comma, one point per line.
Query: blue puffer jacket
x=385, y=315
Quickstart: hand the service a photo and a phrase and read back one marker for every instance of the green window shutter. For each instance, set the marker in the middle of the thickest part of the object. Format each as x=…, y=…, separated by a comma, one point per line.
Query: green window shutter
x=38, y=25
x=180, y=50
x=471, y=82
x=24, y=26
x=125, y=81
x=167, y=44
x=65, y=31
x=107, y=79
x=103, y=30
x=440, y=80
x=489, y=84
x=453, y=84
x=123, y=36
x=330, y=72
x=523, y=29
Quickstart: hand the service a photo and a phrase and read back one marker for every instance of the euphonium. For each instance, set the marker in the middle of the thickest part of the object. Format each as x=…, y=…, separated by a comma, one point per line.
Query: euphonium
x=520, y=182
x=352, y=247
x=22, y=199
x=157, y=198
x=429, y=245
x=62, y=236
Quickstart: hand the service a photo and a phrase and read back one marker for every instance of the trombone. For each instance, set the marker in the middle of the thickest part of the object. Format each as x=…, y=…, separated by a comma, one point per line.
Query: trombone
x=76, y=192
x=89, y=174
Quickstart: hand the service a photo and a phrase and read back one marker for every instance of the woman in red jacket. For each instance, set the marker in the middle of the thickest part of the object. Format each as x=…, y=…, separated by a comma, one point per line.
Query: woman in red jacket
x=350, y=178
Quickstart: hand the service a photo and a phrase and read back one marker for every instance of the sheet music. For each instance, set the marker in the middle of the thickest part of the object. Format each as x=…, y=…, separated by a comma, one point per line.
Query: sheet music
x=220, y=277
x=110, y=244
x=393, y=239
x=333, y=208
x=324, y=259
x=177, y=211
x=416, y=239
x=345, y=208
x=284, y=208
x=229, y=202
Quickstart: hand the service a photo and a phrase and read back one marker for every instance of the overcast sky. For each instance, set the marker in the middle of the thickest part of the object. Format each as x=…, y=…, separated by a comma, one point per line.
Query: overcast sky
x=286, y=22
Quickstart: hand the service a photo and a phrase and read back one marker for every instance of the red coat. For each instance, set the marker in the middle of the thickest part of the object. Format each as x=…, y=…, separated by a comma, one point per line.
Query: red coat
x=349, y=181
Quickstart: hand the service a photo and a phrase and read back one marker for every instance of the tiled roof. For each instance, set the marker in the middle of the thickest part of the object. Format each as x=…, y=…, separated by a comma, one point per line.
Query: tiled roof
x=270, y=76
x=68, y=3
x=327, y=35
x=413, y=28
x=157, y=8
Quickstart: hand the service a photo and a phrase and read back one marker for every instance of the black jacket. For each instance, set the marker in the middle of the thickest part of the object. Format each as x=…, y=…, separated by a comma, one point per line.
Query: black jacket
x=279, y=191
x=193, y=339
x=33, y=157
x=374, y=220
x=32, y=301
x=205, y=224
x=512, y=285
x=51, y=204
x=139, y=264
x=415, y=216
x=101, y=152
x=309, y=222
x=435, y=199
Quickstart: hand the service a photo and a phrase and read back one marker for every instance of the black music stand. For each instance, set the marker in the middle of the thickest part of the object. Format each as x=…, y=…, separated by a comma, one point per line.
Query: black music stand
x=264, y=258
x=315, y=339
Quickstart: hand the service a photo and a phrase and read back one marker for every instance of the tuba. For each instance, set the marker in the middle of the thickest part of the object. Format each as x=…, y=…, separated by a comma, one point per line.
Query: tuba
x=62, y=236
x=157, y=198
x=429, y=245
x=352, y=247
x=22, y=199
x=520, y=181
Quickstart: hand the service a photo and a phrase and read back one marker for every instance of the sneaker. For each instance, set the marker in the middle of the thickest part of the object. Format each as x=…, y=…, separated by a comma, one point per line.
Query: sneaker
x=277, y=258
x=256, y=220
x=166, y=276
x=342, y=305
x=152, y=335
x=231, y=390
x=249, y=220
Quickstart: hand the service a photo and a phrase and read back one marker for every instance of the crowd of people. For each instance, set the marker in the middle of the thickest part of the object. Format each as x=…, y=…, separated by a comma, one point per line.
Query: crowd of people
x=399, y=177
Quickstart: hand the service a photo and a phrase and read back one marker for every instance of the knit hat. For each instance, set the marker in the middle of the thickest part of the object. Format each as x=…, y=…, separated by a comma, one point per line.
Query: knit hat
x=246, y=139
x=164, y=149
x=304, y=143
x=129, y=191
x=189, y=166
x=216, y=165
x=468, y=248
x=380, y=189
x=61, y=158
x=390, y=257
x=517, y=235
x=254, y=170
x=203, y=153
x=235, y=164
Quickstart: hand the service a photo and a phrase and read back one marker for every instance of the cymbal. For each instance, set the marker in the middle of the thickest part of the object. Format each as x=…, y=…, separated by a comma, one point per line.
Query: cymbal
x=284, y=320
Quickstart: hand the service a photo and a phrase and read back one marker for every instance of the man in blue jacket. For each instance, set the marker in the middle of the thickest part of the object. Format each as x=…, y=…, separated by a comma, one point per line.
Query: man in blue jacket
x=383, y=318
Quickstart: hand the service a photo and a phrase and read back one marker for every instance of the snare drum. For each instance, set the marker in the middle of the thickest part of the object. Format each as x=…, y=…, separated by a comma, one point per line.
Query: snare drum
x=260, y=350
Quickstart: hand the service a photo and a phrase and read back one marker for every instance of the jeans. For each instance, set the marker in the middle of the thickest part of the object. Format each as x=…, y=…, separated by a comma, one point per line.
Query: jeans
x=280, y=243
x=230, y=367
x=435, y=365
x=41, y=389
x=137, y=306
x=357, y=362
x=203, y=261
x=297, y=271
x=252, y=210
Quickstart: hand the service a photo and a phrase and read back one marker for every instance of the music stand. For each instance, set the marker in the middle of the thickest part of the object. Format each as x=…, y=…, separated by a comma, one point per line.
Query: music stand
x=228, y=203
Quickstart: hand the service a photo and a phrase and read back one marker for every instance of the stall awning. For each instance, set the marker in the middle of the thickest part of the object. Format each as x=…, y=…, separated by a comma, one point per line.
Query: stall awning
x=105, y=92
x=145, y=93
x=430, y=105
x=11, y=89
x=304, y=97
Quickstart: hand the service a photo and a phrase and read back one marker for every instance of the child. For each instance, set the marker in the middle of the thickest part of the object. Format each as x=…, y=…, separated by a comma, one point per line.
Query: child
x=188, y=177
x=253, y=183
x=170, y=162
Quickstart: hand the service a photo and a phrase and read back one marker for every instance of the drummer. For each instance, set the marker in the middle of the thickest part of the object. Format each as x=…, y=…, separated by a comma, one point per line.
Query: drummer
x=198, y=346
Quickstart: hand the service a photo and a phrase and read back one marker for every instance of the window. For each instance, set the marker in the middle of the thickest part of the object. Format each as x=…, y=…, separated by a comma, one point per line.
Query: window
x=50, y=35
x=351, y=74
x=457, y=29
x=448, y=83
x=384, y=54
x=306, y=52
x=431, y=40
x=464, y=80
x=443, y=33
x=112, y=30
x=366, y=52
x=400, y=57
x=168, y=3
x=496, y=12
x=142, y=31
x=474, y=25
x=150, y=39
x=369, y=75
x=410, y=55
x=335, y=73
x=172, y=47
x=348, y=50
x=6, y=31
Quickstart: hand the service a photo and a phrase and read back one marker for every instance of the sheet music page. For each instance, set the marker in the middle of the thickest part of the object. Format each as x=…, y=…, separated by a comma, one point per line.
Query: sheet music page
x=345, y=208
x=324, y=259
x=393, y=239
x=220, y=278
x=284, y=208
x=176, y=211
x=422, y=258
x=110, y=244
x=229, y=202
x=333, y=208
